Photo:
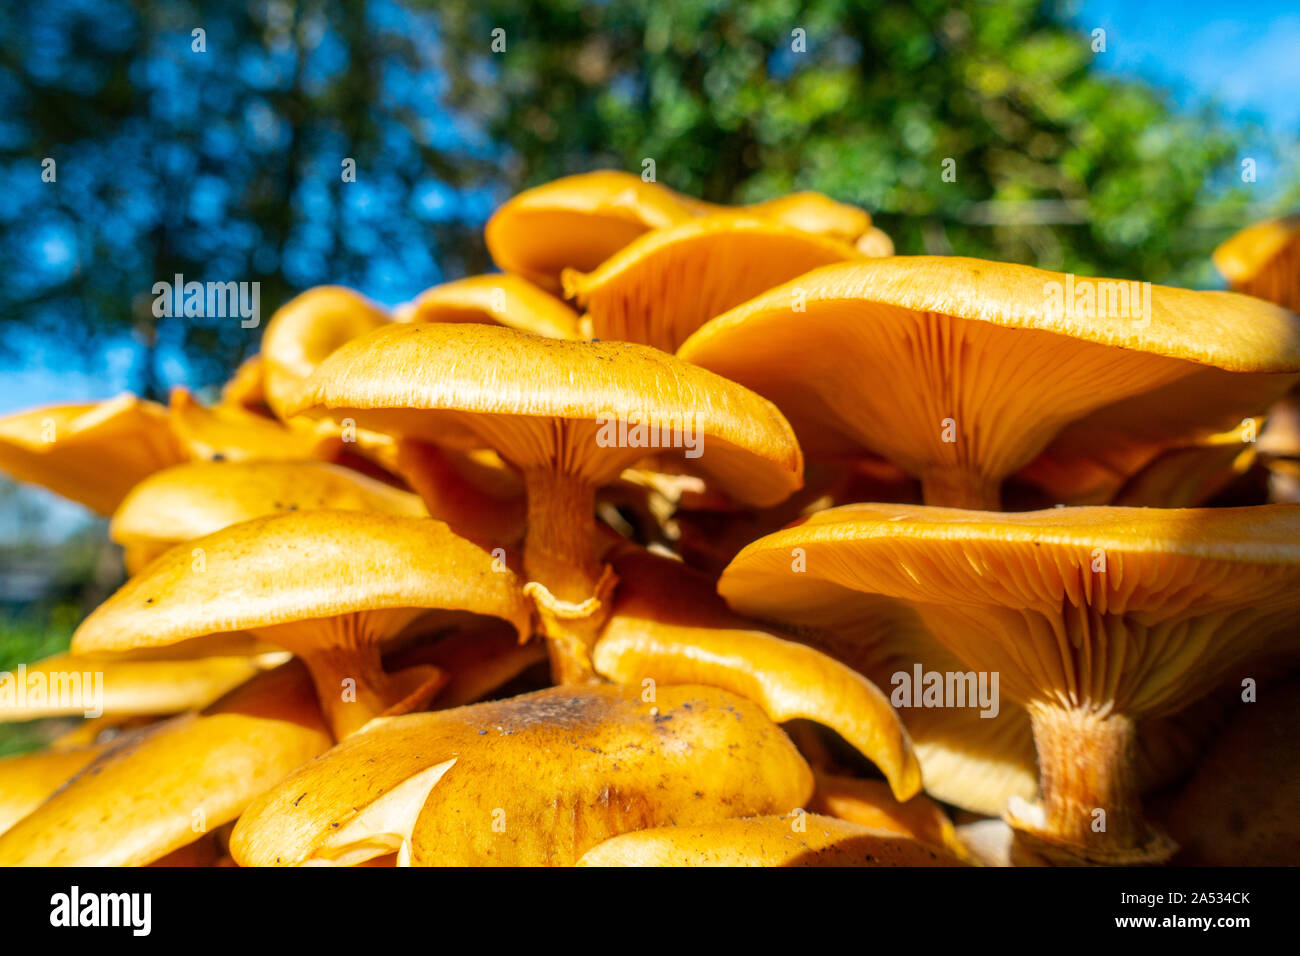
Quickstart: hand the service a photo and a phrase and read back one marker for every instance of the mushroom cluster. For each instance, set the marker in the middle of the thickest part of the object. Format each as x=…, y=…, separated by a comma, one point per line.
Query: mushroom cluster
x=698, y=535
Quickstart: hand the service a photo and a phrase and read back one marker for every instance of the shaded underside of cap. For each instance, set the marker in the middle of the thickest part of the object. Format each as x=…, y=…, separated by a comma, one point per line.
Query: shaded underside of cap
x=578, y=221
x=1093, y=457
x=664, y=285
x=987, y=389
x=547, y=403
x=1143, y=608
x=1229, y=331
x=301, y=566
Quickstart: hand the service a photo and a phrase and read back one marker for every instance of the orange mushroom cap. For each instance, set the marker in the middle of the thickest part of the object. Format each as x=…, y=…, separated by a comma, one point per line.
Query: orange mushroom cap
x=92, y=454
x=663, y=286
x=330, y=586
x=541, y=403
x=578, y=221
x=1092, y=617
x=305, y=330
x=571, y=416
x=156, y=789
x=503, y=299
x=803, y=839
x=469, y=786
x=669, y=626
x=1264, y=260
x=951, y=367
x=192, y=500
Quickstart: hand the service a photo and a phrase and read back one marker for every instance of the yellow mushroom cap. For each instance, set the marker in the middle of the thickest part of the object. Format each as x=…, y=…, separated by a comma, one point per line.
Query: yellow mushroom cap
x=92, y=454
x=301, y=567
x=875, y=243
x=816, y=213
x=1158, y=567
x=951, y=367
x=802, y=839
x=1242, y=257
x=329, y=586
x=550, y=404
x=533, y=780
x=809, y=211
x=1264, y=260
x=503, y=299
x=661, y=287
x=244, y=388
x=192, y=500
x=578, y=221
x=26, y=780
x=305, y=330
x=668, y=625
x=230, y=433
x=142, y=798
x=123, y=686
x=1091, y=617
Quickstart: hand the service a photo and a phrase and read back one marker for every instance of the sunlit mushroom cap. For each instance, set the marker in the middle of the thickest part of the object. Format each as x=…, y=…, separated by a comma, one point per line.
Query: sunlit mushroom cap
x=92, y=454
x=668, y=625
x=244, y=388
x=124, y=686
x=532, y=780
x=230, y=433
x=270, y=573
x=502, y=299
x=801, y=839
x=196, y=499
x=1264, y=260
x=952, y=367
x=551, y=403
x=875, y=243
x=661, y=287
x=1201, y=590
x=305, y=330
x=811, y=212
x=159, y=788
x=578, y=221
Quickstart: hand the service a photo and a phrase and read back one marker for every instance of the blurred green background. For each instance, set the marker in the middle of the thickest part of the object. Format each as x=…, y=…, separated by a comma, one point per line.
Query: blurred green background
x=217, y=155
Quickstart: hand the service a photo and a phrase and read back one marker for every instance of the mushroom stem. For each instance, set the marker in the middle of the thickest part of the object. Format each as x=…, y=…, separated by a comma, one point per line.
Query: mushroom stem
x=353, y=688
x=1091, y=804
x=956, y=487
x=565, y=576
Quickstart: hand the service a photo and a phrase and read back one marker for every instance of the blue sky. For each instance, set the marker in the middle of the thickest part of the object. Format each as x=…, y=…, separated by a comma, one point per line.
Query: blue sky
x=1243, y=56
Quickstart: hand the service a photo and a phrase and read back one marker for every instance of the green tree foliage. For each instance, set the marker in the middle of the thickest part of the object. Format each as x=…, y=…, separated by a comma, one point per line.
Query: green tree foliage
x=1055, y=162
